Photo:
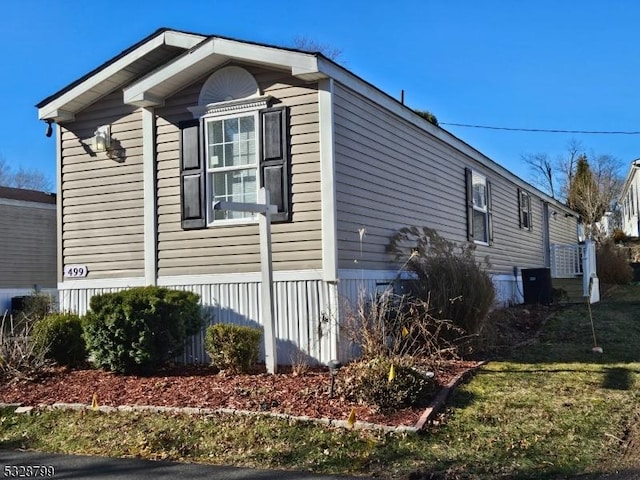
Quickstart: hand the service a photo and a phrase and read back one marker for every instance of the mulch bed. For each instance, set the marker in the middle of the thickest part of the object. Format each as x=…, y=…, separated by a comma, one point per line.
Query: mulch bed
x=304, y=394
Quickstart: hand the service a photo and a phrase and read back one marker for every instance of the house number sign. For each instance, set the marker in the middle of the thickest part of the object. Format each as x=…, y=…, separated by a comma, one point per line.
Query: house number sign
x=75, y=271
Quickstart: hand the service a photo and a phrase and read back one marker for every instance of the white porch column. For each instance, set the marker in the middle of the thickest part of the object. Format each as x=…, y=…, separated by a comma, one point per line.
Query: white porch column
x=150, y=202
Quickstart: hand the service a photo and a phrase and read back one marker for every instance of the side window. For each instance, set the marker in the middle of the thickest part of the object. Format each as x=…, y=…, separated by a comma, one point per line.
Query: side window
x=524, y=207
x=479, y=216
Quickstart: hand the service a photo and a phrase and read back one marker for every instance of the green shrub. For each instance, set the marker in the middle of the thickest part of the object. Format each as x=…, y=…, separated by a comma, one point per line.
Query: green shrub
x=59, y=336
x=233, y=347
x=369, y=382
x=612, y=264
x=141, y=328
x=449, y=278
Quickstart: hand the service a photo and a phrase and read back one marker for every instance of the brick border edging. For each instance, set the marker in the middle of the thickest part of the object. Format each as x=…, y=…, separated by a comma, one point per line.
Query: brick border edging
x=433, y=408
x=438, y=402
x=213, y=411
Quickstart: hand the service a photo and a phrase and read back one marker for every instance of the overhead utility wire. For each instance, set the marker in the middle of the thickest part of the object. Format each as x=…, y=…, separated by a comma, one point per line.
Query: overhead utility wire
x=543, y=130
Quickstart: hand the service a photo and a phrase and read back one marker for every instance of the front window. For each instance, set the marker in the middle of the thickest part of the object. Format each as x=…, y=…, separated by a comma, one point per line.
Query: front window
x=232, y=163
x=480, y=211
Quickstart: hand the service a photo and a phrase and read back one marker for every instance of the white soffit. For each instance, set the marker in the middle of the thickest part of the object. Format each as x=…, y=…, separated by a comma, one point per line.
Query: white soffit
x=115, y=75
x=181, y=71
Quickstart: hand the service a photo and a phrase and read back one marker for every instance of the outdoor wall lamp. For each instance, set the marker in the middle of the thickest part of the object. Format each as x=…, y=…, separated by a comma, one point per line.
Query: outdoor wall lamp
x=102, y=138
x=334, y=366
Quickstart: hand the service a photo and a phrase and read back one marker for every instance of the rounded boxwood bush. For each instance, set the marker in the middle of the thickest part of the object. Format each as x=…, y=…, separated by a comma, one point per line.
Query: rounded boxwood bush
x=59, y=337
x=233, y=348
x=139, y=329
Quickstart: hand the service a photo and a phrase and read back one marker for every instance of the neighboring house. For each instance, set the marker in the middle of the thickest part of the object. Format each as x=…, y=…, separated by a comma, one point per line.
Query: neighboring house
x=28, y=259
x=191, y=119
x=629, y=202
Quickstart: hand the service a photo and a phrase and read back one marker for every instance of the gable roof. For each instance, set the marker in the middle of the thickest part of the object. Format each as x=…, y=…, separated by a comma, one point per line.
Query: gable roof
x=147, y=86
x=149, y=53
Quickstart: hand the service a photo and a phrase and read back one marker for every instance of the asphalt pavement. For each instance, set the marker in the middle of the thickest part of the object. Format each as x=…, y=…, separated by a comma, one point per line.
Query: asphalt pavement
x=37, y=465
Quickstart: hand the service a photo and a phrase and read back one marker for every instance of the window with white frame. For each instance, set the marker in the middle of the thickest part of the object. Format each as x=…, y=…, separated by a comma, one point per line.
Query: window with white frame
x=480, y=208
x=524, y=202
x=232, y=163
x=479, y=216
x=237, y=143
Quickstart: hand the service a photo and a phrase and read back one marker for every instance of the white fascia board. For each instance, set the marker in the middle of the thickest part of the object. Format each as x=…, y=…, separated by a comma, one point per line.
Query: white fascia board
x=367, y=90
x=140, y=90
x=182, y=40
x=176, y=39
x=300, y=64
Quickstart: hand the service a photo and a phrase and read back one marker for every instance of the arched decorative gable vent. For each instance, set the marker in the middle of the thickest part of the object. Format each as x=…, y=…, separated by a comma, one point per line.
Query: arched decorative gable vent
x=226, y=84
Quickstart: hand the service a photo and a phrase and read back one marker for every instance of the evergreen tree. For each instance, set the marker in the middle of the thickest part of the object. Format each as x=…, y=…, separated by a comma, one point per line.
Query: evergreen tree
x=584, y=195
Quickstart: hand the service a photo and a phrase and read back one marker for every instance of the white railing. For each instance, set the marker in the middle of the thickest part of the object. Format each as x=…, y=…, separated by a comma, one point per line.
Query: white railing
x=570, y=261
x=566, y=260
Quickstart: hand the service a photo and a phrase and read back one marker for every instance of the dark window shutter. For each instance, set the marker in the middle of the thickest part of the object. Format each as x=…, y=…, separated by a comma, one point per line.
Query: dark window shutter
x=469, y=185
x=274, y=161
x=490, y=212
x=520, y=208
x=192, y=176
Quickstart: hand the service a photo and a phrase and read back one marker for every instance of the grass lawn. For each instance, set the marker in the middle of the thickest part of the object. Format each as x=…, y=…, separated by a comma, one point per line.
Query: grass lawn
x=550, y=408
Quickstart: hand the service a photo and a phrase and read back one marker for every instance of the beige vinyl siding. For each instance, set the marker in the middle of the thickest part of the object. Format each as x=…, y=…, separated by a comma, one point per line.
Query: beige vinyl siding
x=228, y=249
x=391, y=174
x=28, y=239
x=102, y=197
x=563, y=227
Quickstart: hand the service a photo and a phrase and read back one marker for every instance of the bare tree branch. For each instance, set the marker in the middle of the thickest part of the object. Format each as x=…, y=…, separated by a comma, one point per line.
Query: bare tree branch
x=542, y=172
x=302, y=42
x=23, y=178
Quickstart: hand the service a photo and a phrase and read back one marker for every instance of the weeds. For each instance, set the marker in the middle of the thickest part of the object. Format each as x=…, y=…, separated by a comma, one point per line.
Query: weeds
x=20, y=356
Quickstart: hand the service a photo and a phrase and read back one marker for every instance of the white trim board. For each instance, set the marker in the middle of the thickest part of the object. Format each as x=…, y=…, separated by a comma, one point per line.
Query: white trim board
x=78, y=284
x=177, y=280
x=150, y=198
x=328, y=185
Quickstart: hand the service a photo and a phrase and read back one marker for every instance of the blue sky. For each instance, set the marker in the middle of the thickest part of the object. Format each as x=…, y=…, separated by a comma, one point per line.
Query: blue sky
x=569, y=65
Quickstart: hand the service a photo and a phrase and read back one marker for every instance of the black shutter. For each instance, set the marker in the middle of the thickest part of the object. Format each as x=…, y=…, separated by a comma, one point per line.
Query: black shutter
x=274, y=160
x=192, y=176
x=490, y=212
x=520, y=208
x=469, y=185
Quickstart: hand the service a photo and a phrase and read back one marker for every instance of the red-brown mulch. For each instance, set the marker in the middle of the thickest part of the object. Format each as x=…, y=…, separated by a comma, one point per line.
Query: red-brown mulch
x=202, y=387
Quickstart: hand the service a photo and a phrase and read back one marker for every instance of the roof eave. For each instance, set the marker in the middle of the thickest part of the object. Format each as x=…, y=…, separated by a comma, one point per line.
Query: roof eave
x=152, y=89
x=62, y=106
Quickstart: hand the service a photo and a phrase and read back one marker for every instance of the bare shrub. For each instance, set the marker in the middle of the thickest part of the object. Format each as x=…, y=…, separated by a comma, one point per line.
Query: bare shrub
x=20, y=357
x=612, y=264
x=448, y=276
x=391, y=325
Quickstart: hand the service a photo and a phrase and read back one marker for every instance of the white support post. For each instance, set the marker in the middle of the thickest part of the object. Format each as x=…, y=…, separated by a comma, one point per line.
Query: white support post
x=265, y=210
x=266, y=267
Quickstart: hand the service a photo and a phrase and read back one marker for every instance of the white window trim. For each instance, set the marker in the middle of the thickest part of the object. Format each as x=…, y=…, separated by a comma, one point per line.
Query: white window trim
x=223, y=113
x=484, y=210
x=525, y=206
